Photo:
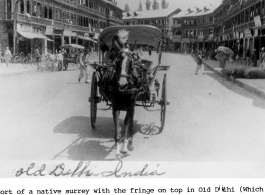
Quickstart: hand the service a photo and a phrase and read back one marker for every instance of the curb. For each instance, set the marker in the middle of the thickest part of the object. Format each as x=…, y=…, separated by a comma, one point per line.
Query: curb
x=16, y=73
x=241, y=84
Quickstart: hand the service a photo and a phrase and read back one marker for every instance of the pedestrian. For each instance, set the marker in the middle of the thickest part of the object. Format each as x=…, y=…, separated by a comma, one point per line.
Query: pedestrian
x=231, y=59
x=7, y=56
x=237, y=57
x=262, y=60
x=92, y=50
x=199, y=63
x=222, y=57
x=37, y=55
x=150, y=51
x=84, y=66
x=254, y=58
x=247, y=58
x=60, y=59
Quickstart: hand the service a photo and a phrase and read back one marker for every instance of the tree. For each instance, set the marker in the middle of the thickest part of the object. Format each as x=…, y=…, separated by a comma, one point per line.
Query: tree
x=164, y=4
x=148, y=4
x=155, y=5
x=127, y=8
x=140, y=6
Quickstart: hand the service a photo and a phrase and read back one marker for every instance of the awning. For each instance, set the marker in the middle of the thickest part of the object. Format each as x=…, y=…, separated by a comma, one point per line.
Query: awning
x=86, y=38
x=210, y=38
x=73, y=34
x=30, y=35
x=259, y=27
x=247, y=33
x=49, y=30
x=200, y=38
x=185, y=40
x=67, y=33
x=176, y=40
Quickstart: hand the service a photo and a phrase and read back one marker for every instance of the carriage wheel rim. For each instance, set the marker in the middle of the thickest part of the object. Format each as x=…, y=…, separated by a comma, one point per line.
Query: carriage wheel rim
x=163, y=104
x=93, y=103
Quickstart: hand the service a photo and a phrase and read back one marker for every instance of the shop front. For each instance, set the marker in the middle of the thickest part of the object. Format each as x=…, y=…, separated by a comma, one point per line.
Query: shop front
x=177, y=42
x=193, y=44
x=248, y=39
x=56, y=35
x=28, y=38
x=185, y=44
x=200, y=42
x=209, y=42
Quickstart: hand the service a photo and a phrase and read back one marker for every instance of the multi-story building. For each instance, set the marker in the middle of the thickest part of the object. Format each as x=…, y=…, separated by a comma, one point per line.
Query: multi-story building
x=193, y=29
x=161, y=18
x=49, y=24
x=241, y=25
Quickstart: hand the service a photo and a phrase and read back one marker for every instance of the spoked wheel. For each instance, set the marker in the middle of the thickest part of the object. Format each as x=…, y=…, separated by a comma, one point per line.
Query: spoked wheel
x=93, y=101
x=163, y=103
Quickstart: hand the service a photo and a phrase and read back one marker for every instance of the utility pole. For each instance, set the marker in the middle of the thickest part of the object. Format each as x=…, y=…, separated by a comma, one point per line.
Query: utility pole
x=15, y=26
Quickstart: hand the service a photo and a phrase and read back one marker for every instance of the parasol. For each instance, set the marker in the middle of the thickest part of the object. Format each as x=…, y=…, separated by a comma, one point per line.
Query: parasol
x=70, y=46
x=226, y=50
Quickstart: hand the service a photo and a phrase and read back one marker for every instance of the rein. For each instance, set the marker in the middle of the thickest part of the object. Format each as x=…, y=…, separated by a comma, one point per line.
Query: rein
x=129, y=78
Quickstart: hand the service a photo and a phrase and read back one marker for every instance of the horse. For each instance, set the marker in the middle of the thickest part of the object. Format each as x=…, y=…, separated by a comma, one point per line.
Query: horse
x=123, y=90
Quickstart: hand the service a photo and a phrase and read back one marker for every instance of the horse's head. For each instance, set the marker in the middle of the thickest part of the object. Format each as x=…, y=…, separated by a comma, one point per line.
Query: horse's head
x=124, y=69
x=123, y=60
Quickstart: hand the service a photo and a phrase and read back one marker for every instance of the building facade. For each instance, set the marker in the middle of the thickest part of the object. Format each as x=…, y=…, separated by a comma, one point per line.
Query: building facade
x=161, y=18
x=48, y=24
x=193, y=29
x=241, y=25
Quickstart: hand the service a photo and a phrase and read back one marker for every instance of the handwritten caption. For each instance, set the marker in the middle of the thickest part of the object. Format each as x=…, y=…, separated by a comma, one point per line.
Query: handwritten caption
x=189, y=190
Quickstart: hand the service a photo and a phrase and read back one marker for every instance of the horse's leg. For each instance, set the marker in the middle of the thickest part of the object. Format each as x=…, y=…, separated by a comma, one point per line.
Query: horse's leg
x=117, y=136
x=126, y=131
x=129, y=132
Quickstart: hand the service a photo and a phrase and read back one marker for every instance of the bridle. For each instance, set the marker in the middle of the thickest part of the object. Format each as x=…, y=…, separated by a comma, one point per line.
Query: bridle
x=130, y=78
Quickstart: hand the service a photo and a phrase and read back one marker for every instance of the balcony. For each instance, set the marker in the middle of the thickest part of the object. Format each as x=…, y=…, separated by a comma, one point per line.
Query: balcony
x=177, y=25
x=114, y=19
x=34, y=19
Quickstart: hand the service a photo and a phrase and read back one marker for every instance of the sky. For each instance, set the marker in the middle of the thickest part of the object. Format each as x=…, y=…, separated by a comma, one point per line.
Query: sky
x=182, y=4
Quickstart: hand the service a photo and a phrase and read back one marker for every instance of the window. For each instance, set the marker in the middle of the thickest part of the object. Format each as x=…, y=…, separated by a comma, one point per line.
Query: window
x=28, y=7
x=50, y=13
x=45, y=12
x=22, y=6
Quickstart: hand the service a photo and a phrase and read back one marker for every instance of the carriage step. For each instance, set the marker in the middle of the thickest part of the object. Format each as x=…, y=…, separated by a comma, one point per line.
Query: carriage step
x=161, y=102
x=97, y=99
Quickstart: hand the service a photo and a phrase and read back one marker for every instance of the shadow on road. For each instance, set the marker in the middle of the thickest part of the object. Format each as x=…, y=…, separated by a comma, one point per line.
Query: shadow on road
x=91, y=144
x=81, y=125
x=257, y=101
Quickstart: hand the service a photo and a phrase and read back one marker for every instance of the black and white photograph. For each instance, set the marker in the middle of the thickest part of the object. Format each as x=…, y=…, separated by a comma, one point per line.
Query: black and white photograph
x=132, y=88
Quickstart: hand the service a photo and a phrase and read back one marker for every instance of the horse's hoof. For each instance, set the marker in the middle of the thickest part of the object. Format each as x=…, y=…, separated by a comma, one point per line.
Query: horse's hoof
x=124, y=149
x=118, y=156
x=130, y=147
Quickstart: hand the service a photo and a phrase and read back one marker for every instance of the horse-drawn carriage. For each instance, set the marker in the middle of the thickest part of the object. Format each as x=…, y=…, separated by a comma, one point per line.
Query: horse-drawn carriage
x=71, y=56
x=127, y=81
